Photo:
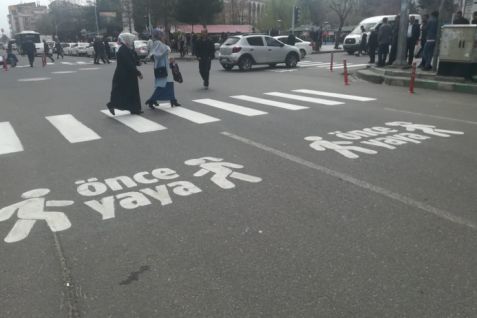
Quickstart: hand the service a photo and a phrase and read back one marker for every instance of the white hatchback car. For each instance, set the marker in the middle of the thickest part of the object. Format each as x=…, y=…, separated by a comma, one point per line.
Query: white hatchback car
x=305, y=47
x=247, y=50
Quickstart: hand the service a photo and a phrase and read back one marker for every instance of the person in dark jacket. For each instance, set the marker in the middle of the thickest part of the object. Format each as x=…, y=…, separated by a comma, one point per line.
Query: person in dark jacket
x=459, y=19
x=59, y=49
x=425, y=18
x=46, y=51
x=30, y=50
x=385, y=35
x=413, y=34
x=395, y=38
x=107, y=49
x=11, y=57
x=205, y=52
x=474, y=18
x=373, y=44
x=98, y=47
x=291, y=40
x=125, y=91
x=432, y=27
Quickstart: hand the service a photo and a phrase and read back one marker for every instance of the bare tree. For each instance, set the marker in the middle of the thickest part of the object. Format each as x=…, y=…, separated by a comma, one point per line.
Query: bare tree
x=342, y=8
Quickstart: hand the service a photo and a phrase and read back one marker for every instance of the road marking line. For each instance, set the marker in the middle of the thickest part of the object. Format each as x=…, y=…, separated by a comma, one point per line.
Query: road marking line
x=334, y=66
x=64, y=72
x=432, y=116
x=188, y=114
x=22, y=66
x=34, y=79
x=312, y=64
x=67, y=63
x=9, y=141
x=306, y=99
x=342, y=96
x=89, y=68
x=230, y=107
x=359, y=183
x=269, y=102
x=72, y=129
x=135, y=122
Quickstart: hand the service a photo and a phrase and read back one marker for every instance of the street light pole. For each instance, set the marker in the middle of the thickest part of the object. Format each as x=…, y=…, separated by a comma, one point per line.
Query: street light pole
x=96, y=16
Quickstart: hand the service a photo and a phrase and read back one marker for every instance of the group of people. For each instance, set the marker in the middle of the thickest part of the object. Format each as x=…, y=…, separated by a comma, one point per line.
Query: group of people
x=125, y=94
x=101, y=50
x=383, y=39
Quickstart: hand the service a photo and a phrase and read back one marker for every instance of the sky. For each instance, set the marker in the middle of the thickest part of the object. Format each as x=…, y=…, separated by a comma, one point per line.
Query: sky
x=4, y=11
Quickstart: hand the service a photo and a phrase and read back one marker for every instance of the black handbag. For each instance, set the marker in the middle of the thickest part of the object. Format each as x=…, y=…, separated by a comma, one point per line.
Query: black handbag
x=176, y=73
x=160, y=72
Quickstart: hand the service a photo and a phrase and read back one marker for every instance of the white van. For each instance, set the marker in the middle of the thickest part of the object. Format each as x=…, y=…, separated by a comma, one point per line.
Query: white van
x=352, y=41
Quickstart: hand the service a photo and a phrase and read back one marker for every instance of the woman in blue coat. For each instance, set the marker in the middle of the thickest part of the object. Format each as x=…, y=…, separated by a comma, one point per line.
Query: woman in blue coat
x=164, y=81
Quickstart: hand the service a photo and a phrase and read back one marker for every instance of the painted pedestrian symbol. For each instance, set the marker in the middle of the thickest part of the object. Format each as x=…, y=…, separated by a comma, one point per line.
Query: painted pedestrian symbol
x=221, y=170
x=343, y=147
x=31, y=210
x=427, y=129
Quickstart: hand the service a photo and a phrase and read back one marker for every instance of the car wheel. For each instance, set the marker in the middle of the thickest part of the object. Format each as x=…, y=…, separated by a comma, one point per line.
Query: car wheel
x=227, y=67
x=291, y=60
x=272, y=65
x=302, y=53
x=245, y=63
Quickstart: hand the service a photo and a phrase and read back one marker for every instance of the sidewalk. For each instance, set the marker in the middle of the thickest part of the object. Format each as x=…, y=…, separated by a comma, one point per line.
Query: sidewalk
x=429, y=80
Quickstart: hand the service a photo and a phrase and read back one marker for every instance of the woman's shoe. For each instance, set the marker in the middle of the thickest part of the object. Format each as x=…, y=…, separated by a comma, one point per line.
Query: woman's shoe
x=151, y=105
x=174, y=102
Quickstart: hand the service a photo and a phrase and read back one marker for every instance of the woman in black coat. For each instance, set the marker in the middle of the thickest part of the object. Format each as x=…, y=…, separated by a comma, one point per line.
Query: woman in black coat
x=125, y=92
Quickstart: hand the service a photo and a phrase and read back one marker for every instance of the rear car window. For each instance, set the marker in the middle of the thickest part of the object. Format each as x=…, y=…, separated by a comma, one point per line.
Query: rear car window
x=255, y=41
x=272, y=42
x=231, y=41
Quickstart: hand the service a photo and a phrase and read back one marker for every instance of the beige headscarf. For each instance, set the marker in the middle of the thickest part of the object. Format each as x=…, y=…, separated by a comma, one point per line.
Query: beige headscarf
x=127, y=39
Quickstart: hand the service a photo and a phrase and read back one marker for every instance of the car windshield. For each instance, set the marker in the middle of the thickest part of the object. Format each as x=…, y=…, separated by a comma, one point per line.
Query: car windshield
x=231, y=41
x=367, y=27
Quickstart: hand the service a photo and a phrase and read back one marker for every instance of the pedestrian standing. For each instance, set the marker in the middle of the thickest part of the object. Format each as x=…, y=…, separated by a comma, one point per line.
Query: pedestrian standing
x=395, y=38
x=11, y=57
x=46, y=51
x=291, y=40
x=425, y=19
x=373, y=44
x=474, y=18
x=164, y=80
x=30, y=50
x=97, y=50
x=125, y=89
x=459, y=19
x=205, y=52
x=102, y=52
x=413, y=34
x=385, y=35
x=428, y=53
x=364, y=42
x=59, y=50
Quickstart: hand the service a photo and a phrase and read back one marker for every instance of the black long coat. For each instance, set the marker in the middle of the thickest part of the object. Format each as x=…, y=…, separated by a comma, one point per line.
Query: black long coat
x=125, y=93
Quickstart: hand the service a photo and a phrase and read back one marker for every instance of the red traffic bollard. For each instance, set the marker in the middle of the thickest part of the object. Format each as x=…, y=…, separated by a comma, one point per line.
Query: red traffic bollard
x=331, y=63
x=346, y=80
x=413, y=78
x=5, y=63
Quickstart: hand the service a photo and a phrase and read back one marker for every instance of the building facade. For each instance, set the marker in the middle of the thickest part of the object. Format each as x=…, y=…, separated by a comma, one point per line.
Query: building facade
x=24, y=16
x=242, y=11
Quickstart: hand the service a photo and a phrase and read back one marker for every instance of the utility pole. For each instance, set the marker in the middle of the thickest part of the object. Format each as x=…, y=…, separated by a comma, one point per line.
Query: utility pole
x=402, y=38
x=293, y=19
x=96, y=16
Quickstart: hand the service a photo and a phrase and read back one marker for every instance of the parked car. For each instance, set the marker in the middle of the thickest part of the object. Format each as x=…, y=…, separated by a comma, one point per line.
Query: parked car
x=141, y=49
x=90, y=51
x=68, y=49
x=80, y=50
x=305, y=47
x=352, y=41
x=248, y=50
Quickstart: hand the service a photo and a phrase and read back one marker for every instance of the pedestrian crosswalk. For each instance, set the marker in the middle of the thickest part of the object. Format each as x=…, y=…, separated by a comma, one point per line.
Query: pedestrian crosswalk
x=74, y=131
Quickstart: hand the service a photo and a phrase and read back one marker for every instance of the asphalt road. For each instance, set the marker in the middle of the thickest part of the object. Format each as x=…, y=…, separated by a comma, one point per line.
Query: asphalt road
x=383, y=223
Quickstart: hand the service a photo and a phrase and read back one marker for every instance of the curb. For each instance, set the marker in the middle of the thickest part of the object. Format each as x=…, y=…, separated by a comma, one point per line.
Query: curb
x=381, y=77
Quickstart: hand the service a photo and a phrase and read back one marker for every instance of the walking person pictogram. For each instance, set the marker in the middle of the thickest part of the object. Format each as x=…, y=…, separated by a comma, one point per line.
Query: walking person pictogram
x=31, y=210
x=221, y=170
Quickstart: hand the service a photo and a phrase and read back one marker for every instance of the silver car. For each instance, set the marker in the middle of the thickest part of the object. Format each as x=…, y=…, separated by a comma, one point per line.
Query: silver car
x=248, y=50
